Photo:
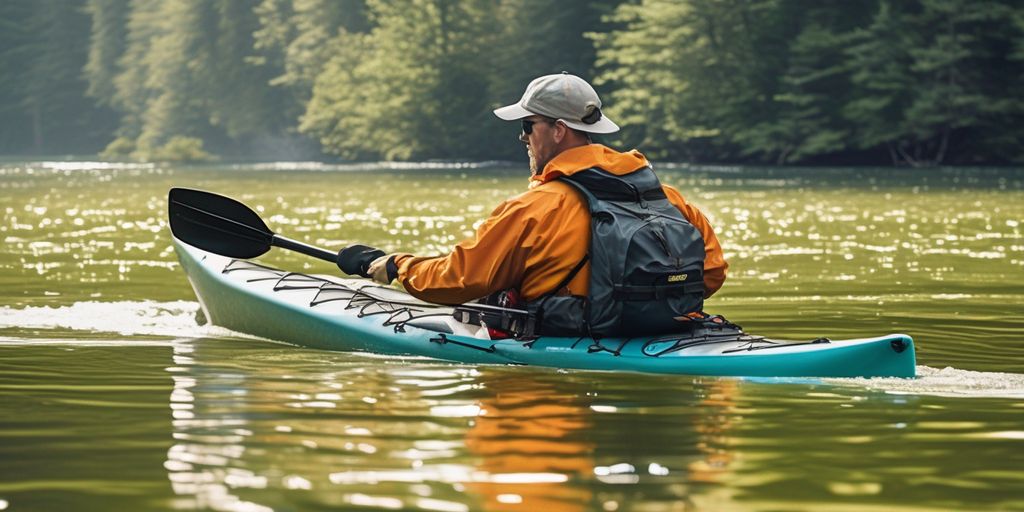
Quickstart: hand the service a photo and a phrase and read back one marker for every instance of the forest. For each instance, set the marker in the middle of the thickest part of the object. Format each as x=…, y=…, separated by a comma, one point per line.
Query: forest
x=807, y=82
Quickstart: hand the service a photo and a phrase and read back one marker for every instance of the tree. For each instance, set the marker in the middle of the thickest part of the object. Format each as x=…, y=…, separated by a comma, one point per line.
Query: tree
x=816, y=81
x=189, y=69
x=410, y=88
x=697, y=78
x=298, y=37
x=241, y=100
x=106, y=45
x=177, y=59
x=782, y=81
x=14, y=53
x=132, y=94
x=645, y=61
x=933, y=73
x=45, y=109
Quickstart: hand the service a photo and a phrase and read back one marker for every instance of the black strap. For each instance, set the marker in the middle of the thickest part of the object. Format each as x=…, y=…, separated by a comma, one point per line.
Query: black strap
x=568, y=278
x=539, y=312
x=606, y=186
x=519, y=323
x=656, y=292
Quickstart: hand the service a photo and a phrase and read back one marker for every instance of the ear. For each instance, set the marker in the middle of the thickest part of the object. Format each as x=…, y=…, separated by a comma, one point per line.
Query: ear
x=561, y=132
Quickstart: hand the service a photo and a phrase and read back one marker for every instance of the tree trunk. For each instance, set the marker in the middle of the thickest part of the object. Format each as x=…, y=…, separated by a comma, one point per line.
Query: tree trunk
x=37, y=128
x=908, y=158
x=892, y=154
x=943, y=146
x=783, y=155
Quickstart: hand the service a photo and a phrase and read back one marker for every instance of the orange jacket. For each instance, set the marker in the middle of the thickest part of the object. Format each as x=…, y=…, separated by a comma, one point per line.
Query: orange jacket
x=532, y=241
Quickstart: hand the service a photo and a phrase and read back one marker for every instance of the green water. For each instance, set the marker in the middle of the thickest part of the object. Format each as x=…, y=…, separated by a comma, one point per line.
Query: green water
x=112, y=397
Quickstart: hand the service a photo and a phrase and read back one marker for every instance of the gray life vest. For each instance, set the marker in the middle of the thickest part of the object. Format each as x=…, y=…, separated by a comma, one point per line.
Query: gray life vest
x=646, y=262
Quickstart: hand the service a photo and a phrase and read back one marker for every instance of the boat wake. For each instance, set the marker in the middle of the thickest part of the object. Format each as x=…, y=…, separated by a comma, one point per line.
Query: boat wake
x=946, y=382
x=127, y=318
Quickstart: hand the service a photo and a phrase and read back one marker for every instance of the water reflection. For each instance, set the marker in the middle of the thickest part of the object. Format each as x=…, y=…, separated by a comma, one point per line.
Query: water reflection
x=252, y=430
x=534, y=437
x=265, y=427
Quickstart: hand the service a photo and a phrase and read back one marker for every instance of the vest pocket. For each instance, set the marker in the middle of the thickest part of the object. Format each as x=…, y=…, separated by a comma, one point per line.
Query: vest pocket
x=654, y=294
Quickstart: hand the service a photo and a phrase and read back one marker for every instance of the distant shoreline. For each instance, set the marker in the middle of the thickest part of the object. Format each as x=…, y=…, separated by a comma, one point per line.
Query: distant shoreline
x=79, y=162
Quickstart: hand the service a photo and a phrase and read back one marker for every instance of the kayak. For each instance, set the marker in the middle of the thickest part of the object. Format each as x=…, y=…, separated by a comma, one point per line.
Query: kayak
x=357, y=315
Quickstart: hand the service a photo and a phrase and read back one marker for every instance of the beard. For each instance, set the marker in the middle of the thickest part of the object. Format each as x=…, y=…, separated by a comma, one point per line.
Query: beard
x=537, y=163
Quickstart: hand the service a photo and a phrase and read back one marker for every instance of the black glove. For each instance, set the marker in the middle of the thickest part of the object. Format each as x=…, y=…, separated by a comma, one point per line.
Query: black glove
x=356, y=259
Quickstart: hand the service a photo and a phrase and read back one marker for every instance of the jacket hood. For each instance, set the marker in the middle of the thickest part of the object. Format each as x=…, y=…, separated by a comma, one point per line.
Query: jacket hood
x=581, y=158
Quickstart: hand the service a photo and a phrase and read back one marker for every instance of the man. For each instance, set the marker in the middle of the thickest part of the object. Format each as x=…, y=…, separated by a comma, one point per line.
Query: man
x=536, y=244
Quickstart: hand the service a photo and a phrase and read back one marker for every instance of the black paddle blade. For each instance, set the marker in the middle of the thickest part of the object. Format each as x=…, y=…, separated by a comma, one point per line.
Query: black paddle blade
x=217, y=224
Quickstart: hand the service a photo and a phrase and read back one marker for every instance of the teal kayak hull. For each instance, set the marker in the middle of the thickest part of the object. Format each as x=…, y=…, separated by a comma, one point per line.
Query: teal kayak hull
x=329, y=313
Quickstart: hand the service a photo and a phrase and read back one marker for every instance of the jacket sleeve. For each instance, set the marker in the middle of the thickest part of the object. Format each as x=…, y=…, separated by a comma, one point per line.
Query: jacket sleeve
x=715, y=265
x=492, y=261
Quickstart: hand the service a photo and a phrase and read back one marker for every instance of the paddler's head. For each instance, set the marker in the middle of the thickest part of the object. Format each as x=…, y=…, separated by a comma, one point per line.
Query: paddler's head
x=557, y=112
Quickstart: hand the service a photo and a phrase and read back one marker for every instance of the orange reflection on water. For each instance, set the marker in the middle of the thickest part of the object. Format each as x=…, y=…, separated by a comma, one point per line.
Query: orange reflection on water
x=532, y=429
x=713, y=429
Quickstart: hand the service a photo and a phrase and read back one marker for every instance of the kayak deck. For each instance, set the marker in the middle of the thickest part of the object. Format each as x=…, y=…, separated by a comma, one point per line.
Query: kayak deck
x=330, y=313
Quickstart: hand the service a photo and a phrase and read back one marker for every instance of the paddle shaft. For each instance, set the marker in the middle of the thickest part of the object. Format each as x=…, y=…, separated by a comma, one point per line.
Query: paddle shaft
x=308, y=250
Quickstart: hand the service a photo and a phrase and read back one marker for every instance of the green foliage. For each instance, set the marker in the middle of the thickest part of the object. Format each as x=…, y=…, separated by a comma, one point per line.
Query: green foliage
x=106, y=44
x=644, y=63
x=816, y=85
x=240, y=99
x=15, y=50
x=410, y=88
x=131, y=96
x=177, y=149
x=41, y=100
x=297, y=36
x=700, y=79
x=120, y=148
x=189, y=69
x=789, y=80
x=176, y=61
x=780, y=81
x=937, y=73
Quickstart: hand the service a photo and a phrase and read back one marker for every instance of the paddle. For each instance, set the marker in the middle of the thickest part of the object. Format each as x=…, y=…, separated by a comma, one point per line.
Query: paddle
x=227, y=227
x=224, y=226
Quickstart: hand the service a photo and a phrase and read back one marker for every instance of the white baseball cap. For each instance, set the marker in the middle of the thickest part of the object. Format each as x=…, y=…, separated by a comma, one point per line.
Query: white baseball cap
x=562, y=96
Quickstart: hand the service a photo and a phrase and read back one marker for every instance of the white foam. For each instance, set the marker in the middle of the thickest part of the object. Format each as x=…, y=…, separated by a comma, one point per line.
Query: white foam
x=947, y=382
x=128, y=318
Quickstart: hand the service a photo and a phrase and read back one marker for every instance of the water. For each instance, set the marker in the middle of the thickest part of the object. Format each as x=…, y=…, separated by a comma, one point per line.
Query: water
x=114, y=398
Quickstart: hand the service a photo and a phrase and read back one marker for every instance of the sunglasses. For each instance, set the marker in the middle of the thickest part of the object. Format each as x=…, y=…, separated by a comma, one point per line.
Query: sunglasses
x=528, y=124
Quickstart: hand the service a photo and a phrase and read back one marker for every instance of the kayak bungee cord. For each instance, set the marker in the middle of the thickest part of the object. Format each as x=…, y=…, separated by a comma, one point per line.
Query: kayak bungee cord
x=775, y=344
x=356, y=299
x=400, y=314
x=442, y=339
x=352, y=298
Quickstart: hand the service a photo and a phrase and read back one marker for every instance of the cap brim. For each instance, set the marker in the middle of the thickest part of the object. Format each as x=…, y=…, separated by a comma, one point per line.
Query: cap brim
x=603, y=125
x=512, y=112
